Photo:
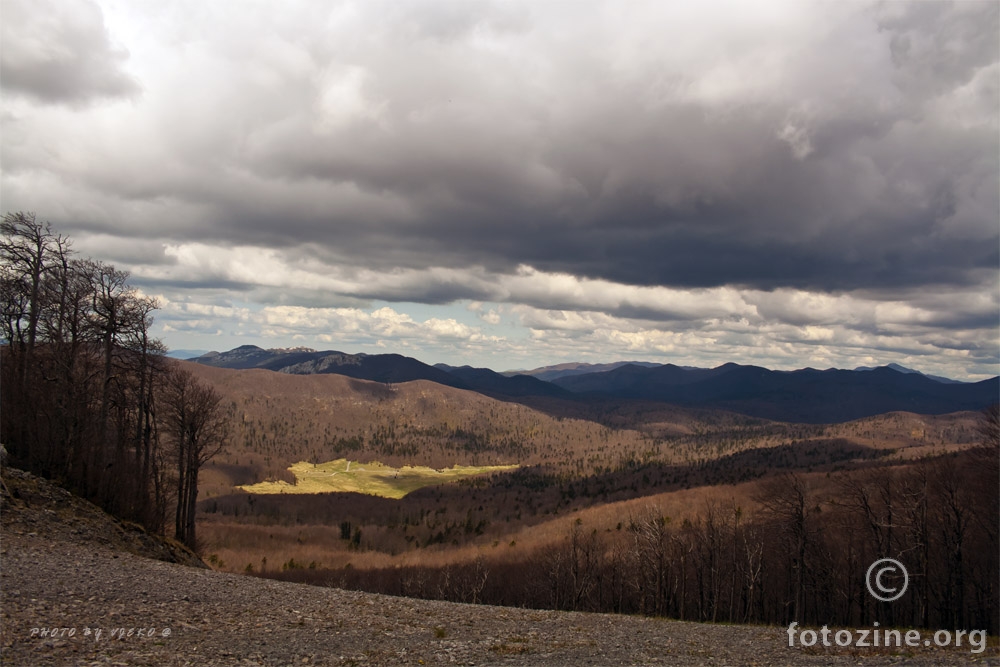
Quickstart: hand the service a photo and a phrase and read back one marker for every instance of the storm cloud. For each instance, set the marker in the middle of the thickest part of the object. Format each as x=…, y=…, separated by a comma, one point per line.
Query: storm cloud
x=727, y=172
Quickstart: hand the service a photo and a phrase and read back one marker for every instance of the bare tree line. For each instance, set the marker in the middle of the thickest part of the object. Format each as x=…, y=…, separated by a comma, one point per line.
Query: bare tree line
x=89, y=399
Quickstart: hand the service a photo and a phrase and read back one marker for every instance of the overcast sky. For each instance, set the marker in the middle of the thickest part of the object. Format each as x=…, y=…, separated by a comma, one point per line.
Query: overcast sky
x=513, y=184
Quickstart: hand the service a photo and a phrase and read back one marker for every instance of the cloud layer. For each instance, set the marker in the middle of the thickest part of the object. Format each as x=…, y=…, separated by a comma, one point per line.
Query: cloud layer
x=652, y=179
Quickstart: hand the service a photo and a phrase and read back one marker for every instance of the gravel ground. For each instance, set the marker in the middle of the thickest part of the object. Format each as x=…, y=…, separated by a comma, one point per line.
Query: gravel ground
x=64, y=566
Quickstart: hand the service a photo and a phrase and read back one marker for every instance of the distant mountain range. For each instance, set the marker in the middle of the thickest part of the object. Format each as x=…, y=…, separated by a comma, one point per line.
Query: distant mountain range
x=380, y=368
x=550, y=373
x=806, y=395
x=186, y=354
x=491, y=383
x=904, y=369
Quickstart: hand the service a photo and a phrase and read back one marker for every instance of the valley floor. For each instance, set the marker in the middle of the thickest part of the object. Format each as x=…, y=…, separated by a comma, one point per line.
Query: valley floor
x=57, y=570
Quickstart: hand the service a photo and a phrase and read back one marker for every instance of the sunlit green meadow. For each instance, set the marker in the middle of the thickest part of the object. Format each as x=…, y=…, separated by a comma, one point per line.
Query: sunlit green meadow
x=373, y=478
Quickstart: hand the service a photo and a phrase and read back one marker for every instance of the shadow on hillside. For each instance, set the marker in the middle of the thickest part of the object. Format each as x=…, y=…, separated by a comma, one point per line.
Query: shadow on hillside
x=537, y=492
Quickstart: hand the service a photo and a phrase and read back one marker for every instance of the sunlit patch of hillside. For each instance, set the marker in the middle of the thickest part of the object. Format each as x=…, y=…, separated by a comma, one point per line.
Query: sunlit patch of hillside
x=374, y=478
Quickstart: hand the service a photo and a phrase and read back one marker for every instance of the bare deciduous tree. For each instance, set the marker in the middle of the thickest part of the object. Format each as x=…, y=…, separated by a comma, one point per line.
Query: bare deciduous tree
x=78, y=371
x=198, y=429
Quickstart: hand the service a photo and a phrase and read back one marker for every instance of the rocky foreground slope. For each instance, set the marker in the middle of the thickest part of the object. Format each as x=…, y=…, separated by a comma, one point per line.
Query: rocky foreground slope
x=79, y=588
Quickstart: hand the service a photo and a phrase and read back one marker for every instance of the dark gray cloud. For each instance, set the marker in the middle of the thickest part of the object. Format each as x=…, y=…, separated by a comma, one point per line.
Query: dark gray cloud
x=531, y=154
x=862, y=178
x=59, y=52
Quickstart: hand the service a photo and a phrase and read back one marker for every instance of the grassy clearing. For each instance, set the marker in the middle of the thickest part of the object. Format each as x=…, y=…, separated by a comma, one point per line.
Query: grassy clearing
x=375, y=479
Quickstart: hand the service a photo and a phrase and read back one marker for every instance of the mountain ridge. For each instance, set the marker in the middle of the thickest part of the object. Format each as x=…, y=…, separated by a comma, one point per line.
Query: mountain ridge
x=804, y=395
x=549, y=373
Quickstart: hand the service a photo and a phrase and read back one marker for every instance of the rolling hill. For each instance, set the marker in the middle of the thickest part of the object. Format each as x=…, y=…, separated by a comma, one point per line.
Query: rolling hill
x=585, y=485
